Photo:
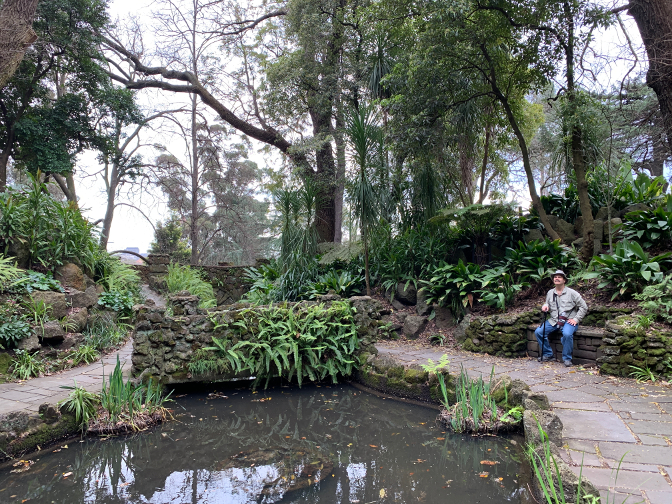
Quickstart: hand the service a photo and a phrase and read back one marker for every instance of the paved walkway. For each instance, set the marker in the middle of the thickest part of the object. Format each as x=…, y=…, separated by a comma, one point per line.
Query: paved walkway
x=605, y=418
x=28, y=395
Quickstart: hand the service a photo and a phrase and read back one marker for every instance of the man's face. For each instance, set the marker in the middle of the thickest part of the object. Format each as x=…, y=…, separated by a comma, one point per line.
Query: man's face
x=559, y=280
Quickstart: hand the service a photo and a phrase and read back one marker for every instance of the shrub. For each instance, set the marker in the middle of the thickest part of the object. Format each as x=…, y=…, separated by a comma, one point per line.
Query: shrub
x=453, y=285
x=121, y=302
x=12, y=330
x=498, y=288
x=534, y=262
x=86, y=353
x=263, y=279
x=8, y=272
x=345, y=284
x=184, y=278
x=656, y=300
x=302, y=341
x=34, y=280
x=26, y=365
x=629, y=269
x=105, y=335
x=649, y=228
x=82, y=403
x=121, y=277
x=511, y=229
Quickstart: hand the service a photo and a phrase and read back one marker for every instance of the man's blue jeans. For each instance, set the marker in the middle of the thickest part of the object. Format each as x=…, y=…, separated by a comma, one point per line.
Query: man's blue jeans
x=567, y=339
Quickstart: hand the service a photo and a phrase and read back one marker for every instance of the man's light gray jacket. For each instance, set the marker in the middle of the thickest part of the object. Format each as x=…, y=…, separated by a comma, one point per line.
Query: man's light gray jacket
x=569, y=302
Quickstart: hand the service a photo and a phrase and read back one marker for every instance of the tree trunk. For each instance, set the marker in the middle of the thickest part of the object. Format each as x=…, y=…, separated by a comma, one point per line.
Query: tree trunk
x=340, y=174
x=325, y=175
x=467, y=162
x=193, y=225
x=109, y=213
x=486, y=150
x=654, y=20
x=4, y=161
x=16, y=34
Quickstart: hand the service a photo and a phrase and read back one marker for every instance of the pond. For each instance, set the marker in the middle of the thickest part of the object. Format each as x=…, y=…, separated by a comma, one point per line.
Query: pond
x=326, y=444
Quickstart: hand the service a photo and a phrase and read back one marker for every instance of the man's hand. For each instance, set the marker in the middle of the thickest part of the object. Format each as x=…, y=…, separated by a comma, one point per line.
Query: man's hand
x=544, y=308
x=572, y=321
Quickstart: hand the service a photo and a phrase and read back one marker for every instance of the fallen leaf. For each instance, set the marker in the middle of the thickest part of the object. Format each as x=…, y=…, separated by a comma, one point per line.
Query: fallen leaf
x=373, y=446
x=484, y=475
x=489, y=462
x=440, y=438
x=382, y=493
x=65, y=475
x=65, y=446
x=125, y=484
x=411, y=474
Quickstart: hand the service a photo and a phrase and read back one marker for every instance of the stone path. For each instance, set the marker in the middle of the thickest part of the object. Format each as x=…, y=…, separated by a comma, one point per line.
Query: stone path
x=28, y=395
x=604, y=418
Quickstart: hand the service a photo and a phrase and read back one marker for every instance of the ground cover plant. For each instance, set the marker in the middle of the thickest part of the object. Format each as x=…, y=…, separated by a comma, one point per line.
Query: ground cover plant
x=297, y=343
x=184, y=278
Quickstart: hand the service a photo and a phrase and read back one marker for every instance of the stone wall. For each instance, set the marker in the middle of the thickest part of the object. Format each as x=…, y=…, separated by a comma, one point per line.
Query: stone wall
x=626, y=344
x=587, y=343
x=164, y=340
x=228, y=282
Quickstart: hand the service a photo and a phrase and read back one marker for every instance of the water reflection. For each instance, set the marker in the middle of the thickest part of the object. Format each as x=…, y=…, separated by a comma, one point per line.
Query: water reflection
x=316, y=444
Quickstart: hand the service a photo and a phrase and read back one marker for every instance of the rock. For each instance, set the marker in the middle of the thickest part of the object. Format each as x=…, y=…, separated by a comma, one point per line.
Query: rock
x=598, y=225
x=578, y=243
x=578, y=225
x=55, y=300
x=422, y=308
x=101, y=317
x=534, y=234
x=71, y=275
x=76, y=321
x=52, y=332
x=31, y=343
x=402, y=317
x=565, y=230
x=535, y=401
x=549, y=422
x=71, y=340
x=414, y=325
x=603, y=213
x=444, y=317
x=89, y=281
x=86, y=299
x=158, y=268
x=49, y=413
x=398, y=305
x=515, y=392
x=343, y=252
x=460, y=332
x=637, y=207
x=406, y=293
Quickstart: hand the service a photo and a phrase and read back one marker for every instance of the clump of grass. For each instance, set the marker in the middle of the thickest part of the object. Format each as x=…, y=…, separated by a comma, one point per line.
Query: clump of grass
x=126, y=407
x=82, y=403
x=103, y=336
x=26, y=365
x=184, y=278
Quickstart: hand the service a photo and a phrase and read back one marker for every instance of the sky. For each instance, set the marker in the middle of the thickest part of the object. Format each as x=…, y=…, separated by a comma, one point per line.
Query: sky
x=131, y=229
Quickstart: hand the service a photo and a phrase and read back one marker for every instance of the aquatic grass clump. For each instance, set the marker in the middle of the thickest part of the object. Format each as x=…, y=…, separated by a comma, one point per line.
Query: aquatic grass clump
x=184, y=278
x=475, y=409
x=125, y=407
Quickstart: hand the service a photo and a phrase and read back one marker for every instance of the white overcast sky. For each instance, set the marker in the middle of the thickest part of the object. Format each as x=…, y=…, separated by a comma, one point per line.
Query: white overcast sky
x=131, y=229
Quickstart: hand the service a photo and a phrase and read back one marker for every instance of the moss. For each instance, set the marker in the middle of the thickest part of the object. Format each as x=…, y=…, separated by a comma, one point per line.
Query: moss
x=396, y=372
x=399, y=385
x=43, y=434
x=5, y=362
x=415, y=376
x=437, y=396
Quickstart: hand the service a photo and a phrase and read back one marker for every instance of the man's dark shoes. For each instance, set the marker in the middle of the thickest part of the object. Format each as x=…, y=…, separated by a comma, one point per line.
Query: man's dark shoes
x=568, y=363
x=544, y=359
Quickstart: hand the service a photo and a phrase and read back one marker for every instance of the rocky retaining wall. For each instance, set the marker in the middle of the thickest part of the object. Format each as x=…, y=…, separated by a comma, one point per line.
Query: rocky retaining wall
x=165, y=340
x=627, y=344
x=22, y=432
x=228, y=282
x=512, y=335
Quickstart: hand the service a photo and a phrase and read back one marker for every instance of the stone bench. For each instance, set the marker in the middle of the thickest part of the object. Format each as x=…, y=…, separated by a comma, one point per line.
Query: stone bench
x=587, y=342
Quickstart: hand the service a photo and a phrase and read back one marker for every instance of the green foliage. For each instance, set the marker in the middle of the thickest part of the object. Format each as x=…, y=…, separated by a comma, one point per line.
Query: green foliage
x=169, y=239
x=50, y=232
x=206, y=362
x=453, y=285
x=642, y=374
x=651, y=228
x=534, y=262
x=26, y=365
x=121, y=302
x=345, y=284
x=184, y=278
x=86, y=353
x=8, y=272
x=82, y=403
x=299, y=342
x=629, y=269
x=440, y=369
x=105, y=335
x=498, y=288
x=656, y=300
x=474, y=406
x=121, y=277
x=13, y=329
x=510, y=229
x=34, y=280
x=263, y=279
x=38, y=311
x=122, y=400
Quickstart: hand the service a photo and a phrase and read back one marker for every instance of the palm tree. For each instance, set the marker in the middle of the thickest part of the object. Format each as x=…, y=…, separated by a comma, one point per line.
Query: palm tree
x=363, y=133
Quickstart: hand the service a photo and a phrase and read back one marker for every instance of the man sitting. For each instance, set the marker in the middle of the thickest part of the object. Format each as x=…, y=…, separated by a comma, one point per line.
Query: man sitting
x=567, y=308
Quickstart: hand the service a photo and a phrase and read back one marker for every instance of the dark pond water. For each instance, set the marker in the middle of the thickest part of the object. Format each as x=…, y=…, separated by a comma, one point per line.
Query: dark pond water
x=317, y=444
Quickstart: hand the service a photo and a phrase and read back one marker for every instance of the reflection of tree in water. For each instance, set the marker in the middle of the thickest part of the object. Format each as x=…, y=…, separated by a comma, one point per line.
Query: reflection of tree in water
x=183, y=457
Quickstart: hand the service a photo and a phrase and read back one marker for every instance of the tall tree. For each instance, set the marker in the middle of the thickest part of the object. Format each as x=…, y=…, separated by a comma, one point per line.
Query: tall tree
x=16, y=19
